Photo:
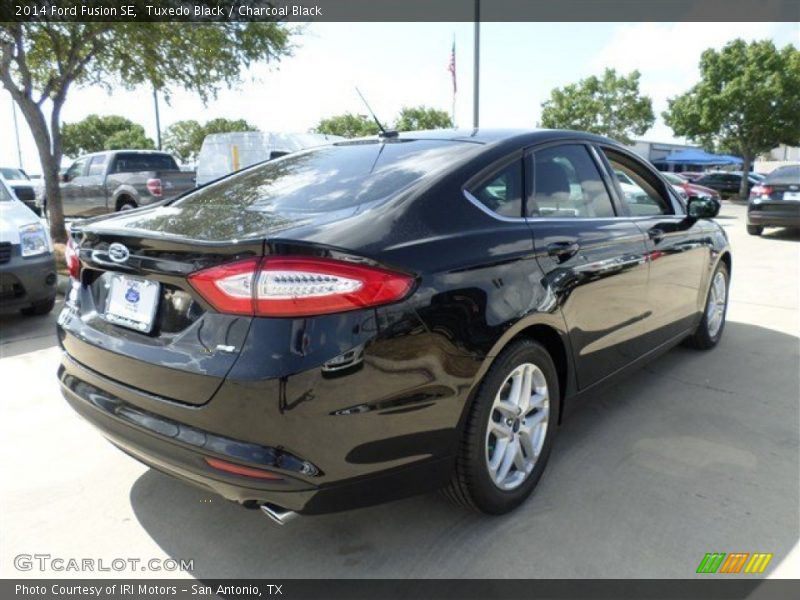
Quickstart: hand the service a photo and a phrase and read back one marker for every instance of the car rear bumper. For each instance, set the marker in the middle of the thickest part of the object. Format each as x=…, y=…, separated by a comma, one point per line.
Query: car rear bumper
x=180, y=450
x=26, y=281
x=785, y=214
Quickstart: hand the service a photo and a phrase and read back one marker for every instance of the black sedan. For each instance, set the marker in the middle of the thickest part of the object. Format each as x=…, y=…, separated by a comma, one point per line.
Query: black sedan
x=727, y=183
x=382, y=317
x=775, y=202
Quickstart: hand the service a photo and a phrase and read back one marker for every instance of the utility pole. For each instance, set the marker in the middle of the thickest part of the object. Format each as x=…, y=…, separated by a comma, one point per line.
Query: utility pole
x=158, y=119
x=16, y=132
x=477, y=78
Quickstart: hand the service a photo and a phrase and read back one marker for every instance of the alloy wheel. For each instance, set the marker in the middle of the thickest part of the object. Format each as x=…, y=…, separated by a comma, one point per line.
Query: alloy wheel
x=517, y=426
x=717, y=297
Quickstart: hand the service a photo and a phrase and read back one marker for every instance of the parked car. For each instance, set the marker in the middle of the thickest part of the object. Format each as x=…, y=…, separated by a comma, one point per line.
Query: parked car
x=691, y=175
x=691, y=189
x=22, y=186
x=118, y=180
x=224, y=153
x=381, y=317
x=27, y=264
x=727, y=183
x=775, y=202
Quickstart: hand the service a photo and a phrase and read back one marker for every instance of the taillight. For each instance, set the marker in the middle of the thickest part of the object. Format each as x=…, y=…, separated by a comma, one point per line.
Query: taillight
x=154, y=187
x=297, y=286
x=760, y=190
x=72, y=260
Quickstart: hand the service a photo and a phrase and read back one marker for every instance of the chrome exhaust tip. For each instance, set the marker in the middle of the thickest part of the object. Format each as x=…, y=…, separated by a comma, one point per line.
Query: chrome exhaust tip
x=280, y=515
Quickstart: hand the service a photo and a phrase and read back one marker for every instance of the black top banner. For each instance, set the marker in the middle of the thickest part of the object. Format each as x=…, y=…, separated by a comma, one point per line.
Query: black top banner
x=400, y=10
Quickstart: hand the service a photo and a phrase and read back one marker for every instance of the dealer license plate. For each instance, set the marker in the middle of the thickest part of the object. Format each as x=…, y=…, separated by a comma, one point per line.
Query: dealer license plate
x=132, y=302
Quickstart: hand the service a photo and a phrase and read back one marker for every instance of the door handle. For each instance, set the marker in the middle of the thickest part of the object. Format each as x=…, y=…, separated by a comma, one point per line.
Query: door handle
x=563, y=251
x=655, y=234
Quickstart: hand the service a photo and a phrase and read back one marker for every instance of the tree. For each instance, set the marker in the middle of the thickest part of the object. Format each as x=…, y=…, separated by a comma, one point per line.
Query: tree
x=41, y=60
x=185, y=138
x=348, y=125
x=95, y=133
x=747, y=101
x=131, y=139
x=610, y=105
x=421, y=117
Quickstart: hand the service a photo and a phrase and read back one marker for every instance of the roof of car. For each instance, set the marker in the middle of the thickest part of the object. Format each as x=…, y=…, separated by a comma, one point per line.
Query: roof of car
x=490, y=135
x=125, y=151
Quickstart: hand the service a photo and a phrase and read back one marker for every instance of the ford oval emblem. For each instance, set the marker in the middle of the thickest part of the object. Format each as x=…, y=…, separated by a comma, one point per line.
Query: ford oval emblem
x=118, y=253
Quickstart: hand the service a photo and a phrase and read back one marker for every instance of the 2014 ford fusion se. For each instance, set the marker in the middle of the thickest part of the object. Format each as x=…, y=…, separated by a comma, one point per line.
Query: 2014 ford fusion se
x=382, y=317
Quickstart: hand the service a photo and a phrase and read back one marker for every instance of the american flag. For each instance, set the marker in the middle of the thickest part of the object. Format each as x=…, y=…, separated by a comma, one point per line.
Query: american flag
x=452, y=65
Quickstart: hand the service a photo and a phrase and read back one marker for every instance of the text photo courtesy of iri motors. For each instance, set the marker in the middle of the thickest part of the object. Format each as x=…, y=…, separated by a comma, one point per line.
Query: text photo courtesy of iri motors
x=466, y=299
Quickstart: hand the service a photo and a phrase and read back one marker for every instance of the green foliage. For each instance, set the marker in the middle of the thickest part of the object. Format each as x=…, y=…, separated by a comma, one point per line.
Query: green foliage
x=185, y=138
x=130, y=139
x=348, y=125
x=411, y=118
x=416, y=118
x=96, y=133
x=41, y=60
x=747, y=101
x=610, y=105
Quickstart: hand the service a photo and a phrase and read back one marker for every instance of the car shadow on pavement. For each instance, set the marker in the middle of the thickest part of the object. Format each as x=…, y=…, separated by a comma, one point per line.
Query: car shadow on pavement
x=788, y=235
x=695, y=453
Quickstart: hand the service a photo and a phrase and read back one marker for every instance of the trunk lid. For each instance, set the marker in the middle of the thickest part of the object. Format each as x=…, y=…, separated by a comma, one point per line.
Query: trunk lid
x=189, y=349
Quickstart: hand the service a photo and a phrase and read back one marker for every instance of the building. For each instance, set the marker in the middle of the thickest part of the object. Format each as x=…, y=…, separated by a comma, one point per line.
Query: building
x=656, y=152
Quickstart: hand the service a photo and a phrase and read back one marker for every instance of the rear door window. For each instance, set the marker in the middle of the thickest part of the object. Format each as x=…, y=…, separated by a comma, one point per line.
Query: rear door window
x=501, y=192
x=567, y=183
x=643, y=192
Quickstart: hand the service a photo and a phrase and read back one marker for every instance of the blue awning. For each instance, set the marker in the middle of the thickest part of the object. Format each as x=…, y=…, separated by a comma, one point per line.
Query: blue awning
x=700, y=157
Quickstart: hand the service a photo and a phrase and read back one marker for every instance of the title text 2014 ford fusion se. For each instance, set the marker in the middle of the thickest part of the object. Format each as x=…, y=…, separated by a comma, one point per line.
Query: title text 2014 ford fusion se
x=378, y=318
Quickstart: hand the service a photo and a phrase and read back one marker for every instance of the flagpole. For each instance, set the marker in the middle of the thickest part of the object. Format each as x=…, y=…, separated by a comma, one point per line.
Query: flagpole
x=477, y=77
x=453, y=118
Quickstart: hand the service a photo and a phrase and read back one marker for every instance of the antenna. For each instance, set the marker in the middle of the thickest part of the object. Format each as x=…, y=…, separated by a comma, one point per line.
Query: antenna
x=387, y=133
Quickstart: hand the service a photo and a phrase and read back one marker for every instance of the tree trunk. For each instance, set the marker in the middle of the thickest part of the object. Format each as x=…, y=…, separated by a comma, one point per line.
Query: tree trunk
x=744, y=192
x=50, y=165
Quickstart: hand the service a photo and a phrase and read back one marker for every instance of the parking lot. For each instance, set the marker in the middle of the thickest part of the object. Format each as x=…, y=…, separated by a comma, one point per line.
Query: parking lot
x=697, y=452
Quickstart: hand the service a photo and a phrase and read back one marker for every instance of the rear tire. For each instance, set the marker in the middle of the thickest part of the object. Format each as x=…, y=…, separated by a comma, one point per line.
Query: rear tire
x=709, y=331
x=39, y=308
x=524, y=437
x=755, y=229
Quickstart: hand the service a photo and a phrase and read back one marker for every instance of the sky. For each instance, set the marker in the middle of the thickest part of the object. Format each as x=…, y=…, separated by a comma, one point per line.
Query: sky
x=405, y=64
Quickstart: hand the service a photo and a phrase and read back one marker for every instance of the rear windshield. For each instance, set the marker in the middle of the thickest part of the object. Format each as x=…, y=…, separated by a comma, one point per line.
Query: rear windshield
x=132, y=163
x=332, y=177
x=785, y=175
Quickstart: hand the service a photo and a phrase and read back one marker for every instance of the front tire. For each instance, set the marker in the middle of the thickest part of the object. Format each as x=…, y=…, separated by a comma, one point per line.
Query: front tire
x=509, y=431
x=709, y=331
x=755, y=229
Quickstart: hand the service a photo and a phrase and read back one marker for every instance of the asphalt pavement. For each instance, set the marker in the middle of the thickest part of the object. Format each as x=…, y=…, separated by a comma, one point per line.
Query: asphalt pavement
x=697, y=452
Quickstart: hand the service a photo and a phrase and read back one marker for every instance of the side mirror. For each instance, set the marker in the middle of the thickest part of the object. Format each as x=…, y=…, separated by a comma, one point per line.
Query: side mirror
x=702, y=207
x=64, y=177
